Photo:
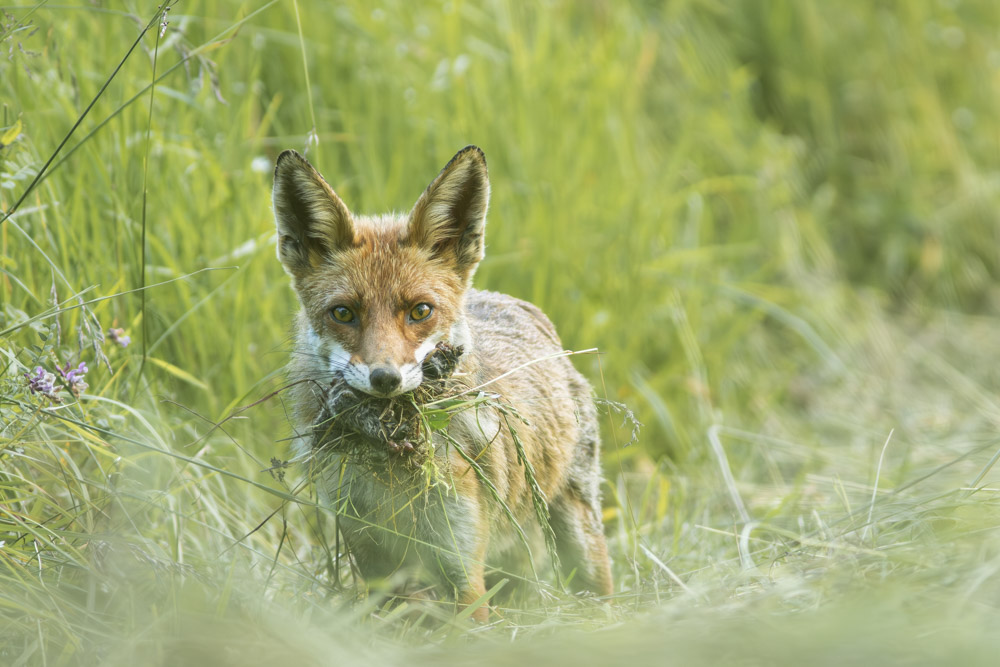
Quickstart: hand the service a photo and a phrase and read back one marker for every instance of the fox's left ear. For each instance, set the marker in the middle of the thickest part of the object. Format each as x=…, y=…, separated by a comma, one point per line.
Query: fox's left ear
x=450, y=216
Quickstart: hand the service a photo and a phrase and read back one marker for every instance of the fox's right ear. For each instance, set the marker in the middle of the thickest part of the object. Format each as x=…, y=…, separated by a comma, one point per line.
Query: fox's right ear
x=312, y=221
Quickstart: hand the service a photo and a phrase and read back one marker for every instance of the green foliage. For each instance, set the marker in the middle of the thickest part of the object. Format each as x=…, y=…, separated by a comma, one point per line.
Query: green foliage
x=775, y=219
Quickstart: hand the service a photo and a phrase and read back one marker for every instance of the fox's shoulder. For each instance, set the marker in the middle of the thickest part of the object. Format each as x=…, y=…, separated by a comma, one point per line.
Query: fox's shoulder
x=502, y=313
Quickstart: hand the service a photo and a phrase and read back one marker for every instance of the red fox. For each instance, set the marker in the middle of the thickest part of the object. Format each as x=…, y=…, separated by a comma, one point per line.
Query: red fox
x=378, y=295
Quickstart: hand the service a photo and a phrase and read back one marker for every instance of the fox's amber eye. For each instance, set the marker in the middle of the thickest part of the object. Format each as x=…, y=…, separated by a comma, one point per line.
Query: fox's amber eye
x=421, y=311
x=342, y=314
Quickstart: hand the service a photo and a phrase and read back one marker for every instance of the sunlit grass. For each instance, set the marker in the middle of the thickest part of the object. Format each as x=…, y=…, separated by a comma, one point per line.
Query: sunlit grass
x=775, y=222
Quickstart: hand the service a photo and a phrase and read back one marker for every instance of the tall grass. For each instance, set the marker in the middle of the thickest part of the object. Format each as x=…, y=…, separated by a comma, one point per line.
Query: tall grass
x=774, y=219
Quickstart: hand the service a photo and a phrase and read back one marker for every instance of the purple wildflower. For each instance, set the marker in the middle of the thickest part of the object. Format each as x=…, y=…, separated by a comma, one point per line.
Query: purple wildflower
x=74, y=377
x=42, y=383
x=118, y=336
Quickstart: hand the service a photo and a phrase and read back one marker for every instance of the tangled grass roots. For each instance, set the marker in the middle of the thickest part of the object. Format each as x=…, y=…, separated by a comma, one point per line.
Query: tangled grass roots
x=375, y=430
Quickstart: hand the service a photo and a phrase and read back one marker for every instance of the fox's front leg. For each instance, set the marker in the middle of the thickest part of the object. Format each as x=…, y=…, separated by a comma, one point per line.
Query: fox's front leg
x=475, y=588
x=463, y=536
x=461, y=570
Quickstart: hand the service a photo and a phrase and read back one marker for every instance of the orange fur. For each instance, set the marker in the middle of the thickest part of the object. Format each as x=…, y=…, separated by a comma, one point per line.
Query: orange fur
x=379, y=271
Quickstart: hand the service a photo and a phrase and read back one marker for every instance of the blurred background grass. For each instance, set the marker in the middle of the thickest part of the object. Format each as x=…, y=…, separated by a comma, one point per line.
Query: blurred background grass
x=777, y=220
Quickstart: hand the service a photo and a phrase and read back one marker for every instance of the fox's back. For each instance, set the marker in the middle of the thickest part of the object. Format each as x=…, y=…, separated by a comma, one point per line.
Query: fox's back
x=514, y=339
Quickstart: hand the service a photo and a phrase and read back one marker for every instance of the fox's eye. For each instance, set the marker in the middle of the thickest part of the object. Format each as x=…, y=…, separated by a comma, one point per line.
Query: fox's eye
x=342, y=314
x=421, y=311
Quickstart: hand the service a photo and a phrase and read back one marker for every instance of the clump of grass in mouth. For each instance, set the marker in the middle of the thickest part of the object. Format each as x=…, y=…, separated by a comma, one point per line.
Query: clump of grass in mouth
x=374, y=430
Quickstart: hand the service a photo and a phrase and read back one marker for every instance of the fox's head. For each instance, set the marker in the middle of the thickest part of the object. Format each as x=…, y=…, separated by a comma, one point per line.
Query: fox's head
x=378, y=293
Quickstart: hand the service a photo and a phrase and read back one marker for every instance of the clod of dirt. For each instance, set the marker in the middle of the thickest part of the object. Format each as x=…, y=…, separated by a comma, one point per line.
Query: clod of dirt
x=441, y=362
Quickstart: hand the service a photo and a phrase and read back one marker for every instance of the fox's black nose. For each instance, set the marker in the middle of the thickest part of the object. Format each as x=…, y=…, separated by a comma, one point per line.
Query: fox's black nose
x=385, y=379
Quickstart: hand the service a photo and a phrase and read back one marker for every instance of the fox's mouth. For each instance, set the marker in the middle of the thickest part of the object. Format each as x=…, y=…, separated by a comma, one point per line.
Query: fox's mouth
x=439, y=364
x=371, y=391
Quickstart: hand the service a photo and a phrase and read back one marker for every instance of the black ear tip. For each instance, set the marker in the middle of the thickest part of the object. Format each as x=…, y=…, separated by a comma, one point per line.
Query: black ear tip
x=469, y=153
x=289, y=154
x=288, y=158
x=472, y=151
